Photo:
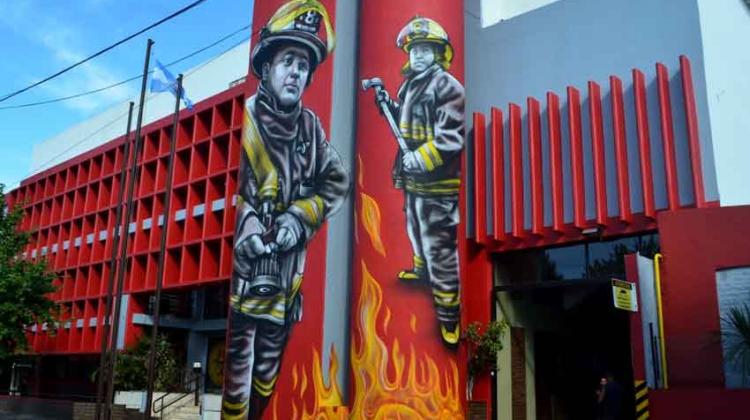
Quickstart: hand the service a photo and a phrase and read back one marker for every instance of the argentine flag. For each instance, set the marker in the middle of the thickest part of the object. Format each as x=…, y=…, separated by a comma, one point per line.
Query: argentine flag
x=162, y=80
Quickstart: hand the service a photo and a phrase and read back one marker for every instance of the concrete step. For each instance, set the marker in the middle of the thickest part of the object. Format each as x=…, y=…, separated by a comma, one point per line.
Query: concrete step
x=190, y=409
x=183, y=417
x=185, y=412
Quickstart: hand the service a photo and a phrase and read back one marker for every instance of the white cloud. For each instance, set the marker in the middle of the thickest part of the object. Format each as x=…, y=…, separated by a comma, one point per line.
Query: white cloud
x=59, y=39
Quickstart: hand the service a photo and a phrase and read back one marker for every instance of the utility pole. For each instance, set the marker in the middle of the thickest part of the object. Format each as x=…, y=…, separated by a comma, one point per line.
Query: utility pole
x=103, y=374
x=162, y=251
x=125, y=231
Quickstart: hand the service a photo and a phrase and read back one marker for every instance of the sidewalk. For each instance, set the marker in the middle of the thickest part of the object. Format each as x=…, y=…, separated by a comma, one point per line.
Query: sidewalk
x=27, y=408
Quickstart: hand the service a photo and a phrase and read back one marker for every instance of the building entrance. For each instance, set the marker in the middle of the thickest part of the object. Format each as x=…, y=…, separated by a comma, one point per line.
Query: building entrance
x=566, y=335
x=593, y=343
x=563, y=341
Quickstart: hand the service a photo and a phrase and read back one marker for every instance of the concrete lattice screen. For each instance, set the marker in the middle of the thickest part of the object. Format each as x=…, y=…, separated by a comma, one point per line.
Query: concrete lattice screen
x=71, y=207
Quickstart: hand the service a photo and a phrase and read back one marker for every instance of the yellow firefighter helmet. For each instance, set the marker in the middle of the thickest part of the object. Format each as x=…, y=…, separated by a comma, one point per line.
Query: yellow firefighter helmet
x=297, y=21
x=421, y=29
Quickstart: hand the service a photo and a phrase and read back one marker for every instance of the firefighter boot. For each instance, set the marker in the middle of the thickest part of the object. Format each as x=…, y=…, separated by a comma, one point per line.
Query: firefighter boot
x=258, y=404
x=450, y=332
x=234, y=410
x=415, y=274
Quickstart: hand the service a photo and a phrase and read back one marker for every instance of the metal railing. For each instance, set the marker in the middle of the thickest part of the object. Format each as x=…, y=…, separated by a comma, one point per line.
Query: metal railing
x=193, y=381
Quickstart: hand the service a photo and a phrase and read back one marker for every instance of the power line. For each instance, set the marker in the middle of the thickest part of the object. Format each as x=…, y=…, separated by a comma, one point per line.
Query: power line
x=246, y=27
x=65, y=98
x=102, y=51
x=120, y=83
x=120, y=117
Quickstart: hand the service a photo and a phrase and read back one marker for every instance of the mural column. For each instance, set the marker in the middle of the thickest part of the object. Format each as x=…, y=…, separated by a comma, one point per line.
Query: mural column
x=291, y=181
x=406, y=312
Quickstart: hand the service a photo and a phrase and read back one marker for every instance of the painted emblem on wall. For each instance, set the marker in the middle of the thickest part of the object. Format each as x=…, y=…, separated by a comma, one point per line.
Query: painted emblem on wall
x=427, y=122
x=290, y=181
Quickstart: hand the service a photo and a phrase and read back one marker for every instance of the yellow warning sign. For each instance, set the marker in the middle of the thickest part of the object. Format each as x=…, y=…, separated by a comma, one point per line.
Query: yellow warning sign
x=624, y=295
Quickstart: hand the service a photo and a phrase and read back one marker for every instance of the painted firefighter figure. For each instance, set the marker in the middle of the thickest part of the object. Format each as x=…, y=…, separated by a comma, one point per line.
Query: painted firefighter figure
x=290, y=181
x=427, y=119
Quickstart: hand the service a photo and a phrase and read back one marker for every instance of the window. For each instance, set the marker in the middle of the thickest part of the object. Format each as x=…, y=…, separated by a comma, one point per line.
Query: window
x=585, y=261
x=733, y=292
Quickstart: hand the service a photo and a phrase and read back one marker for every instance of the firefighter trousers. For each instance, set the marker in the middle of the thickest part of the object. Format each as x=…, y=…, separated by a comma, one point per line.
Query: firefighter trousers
x=431, y=224
x=253, y=363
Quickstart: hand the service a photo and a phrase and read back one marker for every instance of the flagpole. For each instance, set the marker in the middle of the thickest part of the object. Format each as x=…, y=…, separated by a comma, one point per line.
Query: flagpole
x=162, y=252
x=102, y=374
x=125, y=232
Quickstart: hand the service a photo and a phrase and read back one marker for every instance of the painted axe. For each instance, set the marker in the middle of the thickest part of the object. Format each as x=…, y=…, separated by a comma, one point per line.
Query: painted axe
x=377, y=84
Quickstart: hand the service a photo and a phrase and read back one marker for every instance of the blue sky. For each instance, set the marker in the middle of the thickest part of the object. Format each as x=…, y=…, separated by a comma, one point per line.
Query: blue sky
x=40, y=37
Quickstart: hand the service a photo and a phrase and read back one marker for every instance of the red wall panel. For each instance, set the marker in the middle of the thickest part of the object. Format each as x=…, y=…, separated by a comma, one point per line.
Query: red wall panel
x=695, y=244
x=699, y=403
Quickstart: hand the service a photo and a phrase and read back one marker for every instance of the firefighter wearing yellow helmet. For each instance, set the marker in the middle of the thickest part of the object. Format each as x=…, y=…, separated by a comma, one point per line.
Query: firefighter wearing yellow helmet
x=429, y=109
x=290, y=181
x=425, y=30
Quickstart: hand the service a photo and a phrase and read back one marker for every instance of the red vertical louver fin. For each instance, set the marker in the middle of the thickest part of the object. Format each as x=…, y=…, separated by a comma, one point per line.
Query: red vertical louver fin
x=516, y=170
x=576, y=157
x=480, y=179
x=621, y=149
x=691, y=116
x=555, y=159
x=644, y=143
x=535, y=157
x=498, y=175
x=667, y=136
x=597, y=151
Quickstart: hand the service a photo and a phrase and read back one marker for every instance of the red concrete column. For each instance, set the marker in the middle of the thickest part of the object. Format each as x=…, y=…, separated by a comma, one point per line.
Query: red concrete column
x=301, y=351
x=396, y=319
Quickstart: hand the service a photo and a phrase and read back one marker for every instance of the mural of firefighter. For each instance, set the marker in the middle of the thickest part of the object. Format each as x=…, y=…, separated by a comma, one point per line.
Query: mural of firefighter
x=290, y=181
x=427, y=120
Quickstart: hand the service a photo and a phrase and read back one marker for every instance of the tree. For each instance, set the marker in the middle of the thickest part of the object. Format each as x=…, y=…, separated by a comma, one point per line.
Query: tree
x=24, y=285
x=131, y=366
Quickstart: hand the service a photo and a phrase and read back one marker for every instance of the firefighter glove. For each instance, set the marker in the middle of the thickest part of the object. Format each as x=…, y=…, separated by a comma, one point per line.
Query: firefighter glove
x=413, y=162
x=289, y=231
x=246, y=251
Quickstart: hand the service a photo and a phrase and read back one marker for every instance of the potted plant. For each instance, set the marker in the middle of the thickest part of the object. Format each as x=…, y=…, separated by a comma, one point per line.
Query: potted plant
x=483, y=343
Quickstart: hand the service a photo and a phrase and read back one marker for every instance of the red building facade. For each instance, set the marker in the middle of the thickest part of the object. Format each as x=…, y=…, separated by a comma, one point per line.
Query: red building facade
x=573, y=169
x=71, y=210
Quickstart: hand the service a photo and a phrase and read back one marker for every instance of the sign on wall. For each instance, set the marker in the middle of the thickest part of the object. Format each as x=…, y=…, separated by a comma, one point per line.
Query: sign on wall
x=624, y=295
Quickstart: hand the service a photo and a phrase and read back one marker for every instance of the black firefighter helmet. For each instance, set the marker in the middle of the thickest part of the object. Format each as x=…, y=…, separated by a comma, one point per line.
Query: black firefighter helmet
x=299, y=22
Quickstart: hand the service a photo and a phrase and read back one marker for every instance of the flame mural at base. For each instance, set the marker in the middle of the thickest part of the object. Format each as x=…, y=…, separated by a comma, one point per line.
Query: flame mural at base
x=388, y=383
x=326, y=399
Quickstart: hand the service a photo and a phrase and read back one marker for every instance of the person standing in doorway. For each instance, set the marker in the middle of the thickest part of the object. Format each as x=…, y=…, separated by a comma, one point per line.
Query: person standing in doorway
x=609, y=398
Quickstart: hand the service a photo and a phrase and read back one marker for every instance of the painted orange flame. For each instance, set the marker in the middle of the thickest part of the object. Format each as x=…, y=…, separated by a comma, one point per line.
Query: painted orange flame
x=417, y=390
x=371, y=222
x=385, y=386
x=327, y=403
